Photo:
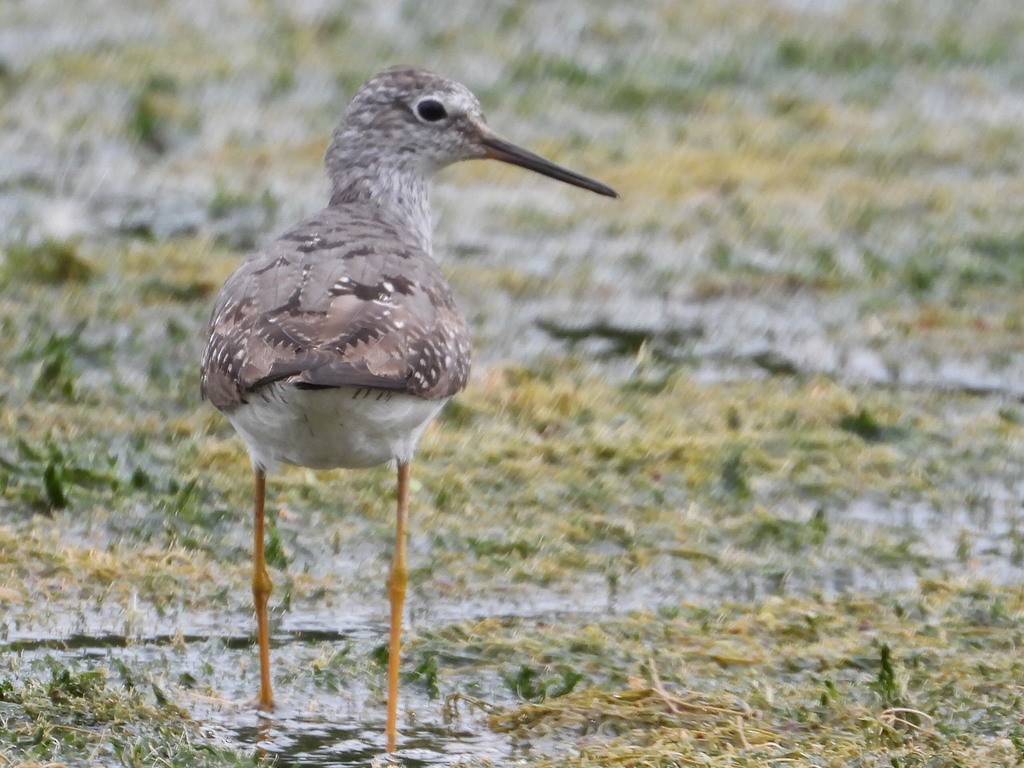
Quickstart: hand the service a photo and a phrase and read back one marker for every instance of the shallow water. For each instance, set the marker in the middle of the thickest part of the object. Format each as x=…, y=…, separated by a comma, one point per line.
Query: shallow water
x=340, y=723
x=312, y=741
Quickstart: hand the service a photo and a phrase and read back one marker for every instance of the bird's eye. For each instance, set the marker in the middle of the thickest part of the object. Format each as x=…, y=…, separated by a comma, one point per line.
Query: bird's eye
x=431, y=110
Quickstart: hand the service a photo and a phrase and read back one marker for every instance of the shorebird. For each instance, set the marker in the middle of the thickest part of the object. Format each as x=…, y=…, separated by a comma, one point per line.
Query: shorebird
x=338, y=343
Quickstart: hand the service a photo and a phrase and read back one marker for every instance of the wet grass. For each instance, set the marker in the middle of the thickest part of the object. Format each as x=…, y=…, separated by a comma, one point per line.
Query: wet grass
x=824, y=683
x=738, y=478
x=548, y=480
x=57, y=713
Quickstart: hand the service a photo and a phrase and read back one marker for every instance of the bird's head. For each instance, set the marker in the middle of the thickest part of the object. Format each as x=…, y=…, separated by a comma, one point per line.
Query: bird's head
x=415, y=120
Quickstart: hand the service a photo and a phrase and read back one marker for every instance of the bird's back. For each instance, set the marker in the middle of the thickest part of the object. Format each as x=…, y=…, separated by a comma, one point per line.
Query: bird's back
x=344, y=299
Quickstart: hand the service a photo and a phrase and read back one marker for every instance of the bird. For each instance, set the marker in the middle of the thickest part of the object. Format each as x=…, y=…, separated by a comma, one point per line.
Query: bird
x=336, y=344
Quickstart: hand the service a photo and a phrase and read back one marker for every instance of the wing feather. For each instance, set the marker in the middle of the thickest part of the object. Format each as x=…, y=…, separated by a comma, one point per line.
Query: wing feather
x=339, y=300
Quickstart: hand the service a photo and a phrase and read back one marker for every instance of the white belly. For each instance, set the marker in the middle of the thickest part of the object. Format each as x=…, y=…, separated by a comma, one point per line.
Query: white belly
x=331, y=428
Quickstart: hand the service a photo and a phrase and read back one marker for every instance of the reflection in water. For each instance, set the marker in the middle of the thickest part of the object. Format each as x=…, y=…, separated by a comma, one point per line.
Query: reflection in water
x=314, y=725
x=295, y=741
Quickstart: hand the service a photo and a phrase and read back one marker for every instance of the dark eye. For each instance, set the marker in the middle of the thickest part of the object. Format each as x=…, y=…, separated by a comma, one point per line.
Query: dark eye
x=431, y=110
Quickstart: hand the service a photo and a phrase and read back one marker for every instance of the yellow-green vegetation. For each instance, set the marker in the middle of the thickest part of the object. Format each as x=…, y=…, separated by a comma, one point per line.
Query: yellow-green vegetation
x=738, y=477
x=894, y=681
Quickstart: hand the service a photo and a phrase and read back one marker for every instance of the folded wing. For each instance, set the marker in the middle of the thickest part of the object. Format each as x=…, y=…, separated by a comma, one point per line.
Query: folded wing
x=340, y=300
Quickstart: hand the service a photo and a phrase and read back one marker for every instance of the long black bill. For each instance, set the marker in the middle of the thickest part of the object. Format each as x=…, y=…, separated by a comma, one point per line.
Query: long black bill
x=499, y=149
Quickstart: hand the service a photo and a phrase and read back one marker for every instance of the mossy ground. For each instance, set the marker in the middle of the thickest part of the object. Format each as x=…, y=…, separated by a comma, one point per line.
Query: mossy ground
x=749, y=494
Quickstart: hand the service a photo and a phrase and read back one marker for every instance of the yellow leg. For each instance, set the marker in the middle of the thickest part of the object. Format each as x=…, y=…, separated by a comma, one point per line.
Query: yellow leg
x=396, y=594
x=261, y=587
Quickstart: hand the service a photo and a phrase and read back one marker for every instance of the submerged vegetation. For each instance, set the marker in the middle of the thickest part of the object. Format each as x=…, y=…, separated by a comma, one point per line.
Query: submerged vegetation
x=737, y=480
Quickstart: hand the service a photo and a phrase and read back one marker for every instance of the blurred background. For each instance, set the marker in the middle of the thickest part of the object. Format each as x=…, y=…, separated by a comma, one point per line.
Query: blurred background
x=788, y=365
x=834, y=154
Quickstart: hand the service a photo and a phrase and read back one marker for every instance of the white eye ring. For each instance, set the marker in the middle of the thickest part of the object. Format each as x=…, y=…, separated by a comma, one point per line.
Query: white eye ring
x=430, y=110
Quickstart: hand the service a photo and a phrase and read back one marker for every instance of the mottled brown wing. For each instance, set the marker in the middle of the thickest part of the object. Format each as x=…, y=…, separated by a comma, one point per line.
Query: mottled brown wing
x=340, y=300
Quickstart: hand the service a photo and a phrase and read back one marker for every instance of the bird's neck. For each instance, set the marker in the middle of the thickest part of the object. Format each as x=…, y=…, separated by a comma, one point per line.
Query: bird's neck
x=401, y=194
